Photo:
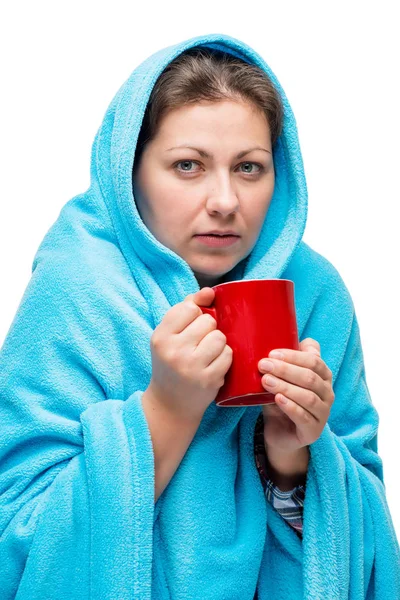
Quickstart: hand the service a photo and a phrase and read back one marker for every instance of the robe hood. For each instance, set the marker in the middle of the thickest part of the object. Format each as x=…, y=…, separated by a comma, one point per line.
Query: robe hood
x=112, y=160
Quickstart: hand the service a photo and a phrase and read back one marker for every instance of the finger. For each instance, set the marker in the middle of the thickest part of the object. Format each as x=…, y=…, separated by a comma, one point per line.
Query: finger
x=302, y=418
x=299, y=376
x=310, y=345
x=203, y=297
x=179, y=316
x=182, y=314
x=306, y=400
x=198, y=329
x=304, y=359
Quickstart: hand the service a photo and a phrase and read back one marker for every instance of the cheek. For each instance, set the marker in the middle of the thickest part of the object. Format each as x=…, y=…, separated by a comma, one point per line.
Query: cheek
x=176, y=206
x=172, y=219
x=256, y=212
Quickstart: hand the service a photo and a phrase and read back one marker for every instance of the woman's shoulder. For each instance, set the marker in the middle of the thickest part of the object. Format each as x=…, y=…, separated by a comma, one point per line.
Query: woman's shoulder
x=79, y=261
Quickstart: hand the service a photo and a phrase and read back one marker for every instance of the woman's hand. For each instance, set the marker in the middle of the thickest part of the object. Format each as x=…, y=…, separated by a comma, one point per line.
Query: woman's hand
x=305, y=382
x=190, y=358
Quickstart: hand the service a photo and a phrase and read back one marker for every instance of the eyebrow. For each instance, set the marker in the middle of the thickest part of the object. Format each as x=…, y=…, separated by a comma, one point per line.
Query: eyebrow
x=208, y=155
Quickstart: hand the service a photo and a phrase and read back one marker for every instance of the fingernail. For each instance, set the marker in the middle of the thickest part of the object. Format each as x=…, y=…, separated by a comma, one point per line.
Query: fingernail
x=271, y=381
x=266, y=365
x=276, y=354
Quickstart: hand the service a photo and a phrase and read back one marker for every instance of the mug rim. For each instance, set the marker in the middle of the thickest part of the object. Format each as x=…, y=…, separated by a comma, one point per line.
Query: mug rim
x=248, y=280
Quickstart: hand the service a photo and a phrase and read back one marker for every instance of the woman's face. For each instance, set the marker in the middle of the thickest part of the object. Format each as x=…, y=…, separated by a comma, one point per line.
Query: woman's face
x=181, y=193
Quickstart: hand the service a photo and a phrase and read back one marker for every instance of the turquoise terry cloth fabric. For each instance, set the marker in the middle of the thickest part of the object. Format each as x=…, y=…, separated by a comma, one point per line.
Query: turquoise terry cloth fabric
x=77, y=513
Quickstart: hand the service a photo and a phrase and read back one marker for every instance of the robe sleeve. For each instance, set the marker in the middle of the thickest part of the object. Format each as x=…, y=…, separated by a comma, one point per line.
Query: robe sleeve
x=345, y=479
x=76, y=464
x=349, y=544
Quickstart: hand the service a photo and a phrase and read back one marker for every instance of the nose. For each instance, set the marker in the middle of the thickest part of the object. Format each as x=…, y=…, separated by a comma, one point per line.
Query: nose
x=223, y=199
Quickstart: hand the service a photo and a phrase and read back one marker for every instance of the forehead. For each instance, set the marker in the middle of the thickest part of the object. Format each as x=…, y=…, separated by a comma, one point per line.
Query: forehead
x=198, y=123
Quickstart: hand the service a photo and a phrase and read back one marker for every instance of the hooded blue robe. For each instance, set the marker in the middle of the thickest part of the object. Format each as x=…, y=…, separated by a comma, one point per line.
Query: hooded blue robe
x=77, y=512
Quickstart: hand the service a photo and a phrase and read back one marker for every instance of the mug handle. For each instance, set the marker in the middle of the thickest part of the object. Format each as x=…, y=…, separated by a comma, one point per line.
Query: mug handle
x=211, y=310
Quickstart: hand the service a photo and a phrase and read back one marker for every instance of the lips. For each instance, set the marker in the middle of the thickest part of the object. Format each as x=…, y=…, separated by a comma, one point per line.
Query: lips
x=220, y=233
x=217, y=240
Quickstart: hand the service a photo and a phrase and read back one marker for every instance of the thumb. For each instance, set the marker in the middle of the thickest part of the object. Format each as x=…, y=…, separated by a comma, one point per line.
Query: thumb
x=310, y=345
x=204, y=296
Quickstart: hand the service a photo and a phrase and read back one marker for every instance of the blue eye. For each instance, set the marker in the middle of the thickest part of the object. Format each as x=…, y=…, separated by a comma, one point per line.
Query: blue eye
x=260, y=167
x=182, y=162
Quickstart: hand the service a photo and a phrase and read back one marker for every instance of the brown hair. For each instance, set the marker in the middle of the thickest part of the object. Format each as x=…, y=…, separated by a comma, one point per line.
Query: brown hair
x=208, y=74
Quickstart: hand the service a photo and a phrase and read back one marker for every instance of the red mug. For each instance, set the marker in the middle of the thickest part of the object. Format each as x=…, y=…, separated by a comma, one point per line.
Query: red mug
x=256, y=316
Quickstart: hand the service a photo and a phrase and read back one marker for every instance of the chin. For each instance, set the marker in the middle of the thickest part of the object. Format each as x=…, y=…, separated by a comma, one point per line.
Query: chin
x=213, y=273
x=213, y=267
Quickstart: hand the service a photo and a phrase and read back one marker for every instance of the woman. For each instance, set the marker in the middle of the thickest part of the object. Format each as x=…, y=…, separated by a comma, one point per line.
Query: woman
x=161, y=184
x=120, y=477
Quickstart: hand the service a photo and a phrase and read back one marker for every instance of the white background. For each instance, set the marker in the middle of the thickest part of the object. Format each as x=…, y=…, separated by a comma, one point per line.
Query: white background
x=63, y=62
